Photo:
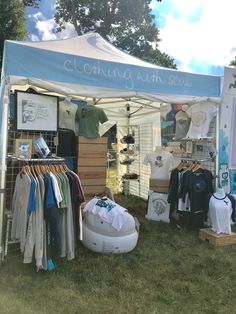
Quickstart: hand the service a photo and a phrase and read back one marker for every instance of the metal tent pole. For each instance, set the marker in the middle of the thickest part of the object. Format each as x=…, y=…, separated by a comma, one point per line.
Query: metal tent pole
x=4, y=103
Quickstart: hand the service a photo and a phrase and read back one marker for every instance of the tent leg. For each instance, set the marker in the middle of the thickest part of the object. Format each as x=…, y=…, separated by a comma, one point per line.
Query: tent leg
x=4, y=100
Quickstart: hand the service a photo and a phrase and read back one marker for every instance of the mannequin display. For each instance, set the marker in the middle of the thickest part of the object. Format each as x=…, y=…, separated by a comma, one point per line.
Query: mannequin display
x=220, y=212
x=182, y=122
x=89, y=118
x=67, y=114
x=161, y=162
x=201, y=116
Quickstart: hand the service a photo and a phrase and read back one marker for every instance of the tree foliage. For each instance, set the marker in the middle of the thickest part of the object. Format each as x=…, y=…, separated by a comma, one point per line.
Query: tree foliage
x=12, y=22
x=128, y=24
x=31, y=3
x=233, y=62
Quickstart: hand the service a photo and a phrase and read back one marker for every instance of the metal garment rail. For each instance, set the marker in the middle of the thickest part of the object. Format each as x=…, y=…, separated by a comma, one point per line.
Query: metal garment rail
x=197, y=160
x=54, y=159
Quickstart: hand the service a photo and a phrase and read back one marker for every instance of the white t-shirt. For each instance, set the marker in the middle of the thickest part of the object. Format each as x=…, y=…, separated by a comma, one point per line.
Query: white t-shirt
x=201, y=116
x=161, y=163
x=67, y=113
x=107, y=210
x=219, y=214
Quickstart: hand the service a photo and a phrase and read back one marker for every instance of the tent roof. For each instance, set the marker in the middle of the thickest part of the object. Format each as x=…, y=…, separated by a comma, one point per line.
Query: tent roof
x=91, y=45
x=90, y=66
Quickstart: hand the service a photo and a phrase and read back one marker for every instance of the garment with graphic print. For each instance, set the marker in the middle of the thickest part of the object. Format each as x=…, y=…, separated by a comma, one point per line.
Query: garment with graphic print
x=161, y=163
x=182, y=122
x=197, y=185
x=107, y=210
x=201, y=116
x=67, y=114
x=220, y=212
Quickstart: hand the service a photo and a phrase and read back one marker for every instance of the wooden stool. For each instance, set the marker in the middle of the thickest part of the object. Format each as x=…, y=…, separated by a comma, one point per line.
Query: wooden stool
x=217, y=239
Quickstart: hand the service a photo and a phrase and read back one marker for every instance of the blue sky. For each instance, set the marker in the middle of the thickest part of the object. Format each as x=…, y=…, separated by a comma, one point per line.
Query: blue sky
x=198, y=34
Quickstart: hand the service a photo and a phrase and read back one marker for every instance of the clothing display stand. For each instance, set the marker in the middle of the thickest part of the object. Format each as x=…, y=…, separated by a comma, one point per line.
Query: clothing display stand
x=128, y=155
x=92, y=165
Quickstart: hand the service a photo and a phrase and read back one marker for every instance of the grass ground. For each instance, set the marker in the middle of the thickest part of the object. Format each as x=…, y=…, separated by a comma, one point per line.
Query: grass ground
x=170, y=271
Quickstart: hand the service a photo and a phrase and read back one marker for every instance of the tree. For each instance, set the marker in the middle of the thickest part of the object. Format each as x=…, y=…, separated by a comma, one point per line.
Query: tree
x=126, y=24
x=31, y=3
x=12, y=22
x=233, y=62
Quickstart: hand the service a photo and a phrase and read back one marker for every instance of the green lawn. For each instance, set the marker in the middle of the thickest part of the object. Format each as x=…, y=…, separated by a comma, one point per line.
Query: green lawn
x=170, y=271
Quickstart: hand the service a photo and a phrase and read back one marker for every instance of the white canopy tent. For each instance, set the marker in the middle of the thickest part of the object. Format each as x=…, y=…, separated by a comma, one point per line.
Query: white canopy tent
x=88, y=66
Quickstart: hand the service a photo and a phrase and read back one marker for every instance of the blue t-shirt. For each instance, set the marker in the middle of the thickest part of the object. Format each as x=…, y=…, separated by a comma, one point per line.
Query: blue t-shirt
x=50, y=199
x=32, y=196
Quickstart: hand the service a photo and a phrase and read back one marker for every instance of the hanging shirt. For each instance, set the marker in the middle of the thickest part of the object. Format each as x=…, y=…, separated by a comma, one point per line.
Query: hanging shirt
x=161, y=163
x=56, y=189
x=32, y=196
x=201, y=116
x=107, y=210
x=89, y=118
x=19, y=208
x=182, y=122
x=67, y=114
x=220, y=211
x=196, y=185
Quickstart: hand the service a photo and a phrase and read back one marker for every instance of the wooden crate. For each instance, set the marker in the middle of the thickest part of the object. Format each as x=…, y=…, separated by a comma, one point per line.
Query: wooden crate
x=96, y=150
x=92, y=172
x=99, y=140
x=161, y=186
x=217, y=239
x=92, y=165
x=92, y=162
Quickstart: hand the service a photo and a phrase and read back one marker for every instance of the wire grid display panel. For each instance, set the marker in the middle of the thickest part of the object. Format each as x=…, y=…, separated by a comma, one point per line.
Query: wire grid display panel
x=14, y=166
x=144, y=139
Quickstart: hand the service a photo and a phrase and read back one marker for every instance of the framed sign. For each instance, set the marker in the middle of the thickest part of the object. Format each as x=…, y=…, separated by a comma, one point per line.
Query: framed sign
x=36, y=112
x=23, y=148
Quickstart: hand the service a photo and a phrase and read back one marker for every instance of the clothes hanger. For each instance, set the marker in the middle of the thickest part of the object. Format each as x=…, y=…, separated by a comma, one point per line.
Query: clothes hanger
x=197, y=167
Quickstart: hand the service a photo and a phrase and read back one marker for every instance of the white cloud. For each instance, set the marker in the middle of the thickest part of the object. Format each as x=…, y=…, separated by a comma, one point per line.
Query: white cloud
x=206, y=40
x=46, y=28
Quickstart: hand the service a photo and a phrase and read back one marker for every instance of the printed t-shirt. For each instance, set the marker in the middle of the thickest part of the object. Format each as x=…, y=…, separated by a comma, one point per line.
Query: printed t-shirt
x=201, y=116
x=67, y=114
x=161, y=162
x=220, y=211
x=107, y=210
x=182, y=122
x=89, y=118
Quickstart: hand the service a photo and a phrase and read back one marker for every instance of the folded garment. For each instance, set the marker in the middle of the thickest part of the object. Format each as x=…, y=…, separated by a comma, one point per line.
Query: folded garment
x=130, y=176
x=127, y=161
x=127, y=151
x=128, y=139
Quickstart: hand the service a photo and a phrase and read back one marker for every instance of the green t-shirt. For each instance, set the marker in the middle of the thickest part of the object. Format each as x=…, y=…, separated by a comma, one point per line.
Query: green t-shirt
x=89, y=118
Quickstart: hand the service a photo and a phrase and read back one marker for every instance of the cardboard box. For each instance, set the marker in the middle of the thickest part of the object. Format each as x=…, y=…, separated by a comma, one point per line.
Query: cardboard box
x=215, y=239
x=161, y=186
